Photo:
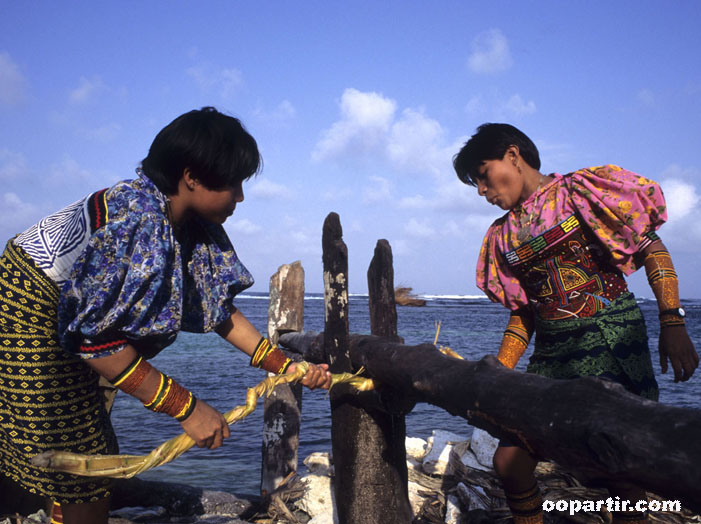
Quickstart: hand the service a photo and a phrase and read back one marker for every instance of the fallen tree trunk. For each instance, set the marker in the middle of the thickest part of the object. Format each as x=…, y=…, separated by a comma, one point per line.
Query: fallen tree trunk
x=594, y=428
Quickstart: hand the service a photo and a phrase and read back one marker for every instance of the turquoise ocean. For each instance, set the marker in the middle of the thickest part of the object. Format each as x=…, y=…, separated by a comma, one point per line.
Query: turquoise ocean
x=220, y=374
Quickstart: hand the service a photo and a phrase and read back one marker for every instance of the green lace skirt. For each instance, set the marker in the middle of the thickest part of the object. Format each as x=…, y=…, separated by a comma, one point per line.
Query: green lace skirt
x=611, y=345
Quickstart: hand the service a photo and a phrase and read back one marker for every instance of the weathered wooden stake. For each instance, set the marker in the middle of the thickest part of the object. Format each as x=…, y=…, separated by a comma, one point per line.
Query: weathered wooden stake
x=283, y=408
x=383, y=457
x=369, y=487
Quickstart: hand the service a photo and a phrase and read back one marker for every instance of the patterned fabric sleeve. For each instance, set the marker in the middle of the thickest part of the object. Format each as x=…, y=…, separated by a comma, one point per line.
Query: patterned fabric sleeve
x=494, y=277
x=213, y=277
x=125, y=286
x=622, y=208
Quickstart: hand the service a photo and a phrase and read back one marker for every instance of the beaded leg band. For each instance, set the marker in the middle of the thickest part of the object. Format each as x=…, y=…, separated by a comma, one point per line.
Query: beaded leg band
x=526, y=507
x=170, y=397
x=664, y=283
x=269, y=357
x=516, y=337
x=56, y=513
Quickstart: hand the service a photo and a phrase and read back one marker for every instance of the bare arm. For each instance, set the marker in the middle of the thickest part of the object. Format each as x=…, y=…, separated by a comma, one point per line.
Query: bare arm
x=238, y=331
x=205, y=425
x=516, y=337
x=675, y=343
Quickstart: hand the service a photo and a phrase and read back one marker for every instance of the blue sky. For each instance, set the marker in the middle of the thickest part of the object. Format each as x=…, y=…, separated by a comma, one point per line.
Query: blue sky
x=358, y=108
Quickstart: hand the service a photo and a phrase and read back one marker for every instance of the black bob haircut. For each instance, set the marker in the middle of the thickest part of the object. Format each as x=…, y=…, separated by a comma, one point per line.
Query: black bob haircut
x=490, y=142
x=215, y=147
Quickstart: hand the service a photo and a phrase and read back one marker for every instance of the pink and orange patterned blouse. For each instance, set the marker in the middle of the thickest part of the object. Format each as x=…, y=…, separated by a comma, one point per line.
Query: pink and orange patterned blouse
x=585, y=230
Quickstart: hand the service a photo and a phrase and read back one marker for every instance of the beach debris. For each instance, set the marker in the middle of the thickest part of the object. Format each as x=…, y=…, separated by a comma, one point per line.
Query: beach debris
x=319, y=464
x=459, y=493
x=39, y=517
x=440, y=445
x=319, y=501
x=404, y=297
x=483, y=446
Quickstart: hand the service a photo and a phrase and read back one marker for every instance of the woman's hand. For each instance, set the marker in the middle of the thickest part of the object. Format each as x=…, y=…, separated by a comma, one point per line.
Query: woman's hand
x=206, y=426
x=318, y=375
x=676, y=346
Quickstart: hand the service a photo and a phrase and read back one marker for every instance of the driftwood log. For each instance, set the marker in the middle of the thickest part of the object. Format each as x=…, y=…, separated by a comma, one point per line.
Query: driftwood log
x=593, y=428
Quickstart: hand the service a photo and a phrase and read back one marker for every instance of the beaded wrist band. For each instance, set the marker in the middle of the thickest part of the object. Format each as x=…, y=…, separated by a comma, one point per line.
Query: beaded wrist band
x=270, y=358
x=671, y=320
x=172, y=399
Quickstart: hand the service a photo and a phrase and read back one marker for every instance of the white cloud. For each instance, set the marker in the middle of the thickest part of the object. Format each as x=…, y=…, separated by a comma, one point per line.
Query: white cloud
x=13, y=84
x=681, y=198
x=244, y=226
x=378, y=191
x=419, y=229
x=365, y=120
x=265, y=189
x=87, y=89
x=369, y=130
x=413, y=142
x=517, y=107
x=490, y=53
x=223, y=81
x=12, y=165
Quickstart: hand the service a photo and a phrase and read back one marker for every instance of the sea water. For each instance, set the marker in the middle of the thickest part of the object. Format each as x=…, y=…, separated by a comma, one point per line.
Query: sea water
x=219, y=374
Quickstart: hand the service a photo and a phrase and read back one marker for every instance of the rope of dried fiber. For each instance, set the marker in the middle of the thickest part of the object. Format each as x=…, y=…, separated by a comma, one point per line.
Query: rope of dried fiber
x=126, y=466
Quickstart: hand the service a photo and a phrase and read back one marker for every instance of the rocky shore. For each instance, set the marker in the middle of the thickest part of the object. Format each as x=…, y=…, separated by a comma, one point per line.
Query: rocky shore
x=450, y=481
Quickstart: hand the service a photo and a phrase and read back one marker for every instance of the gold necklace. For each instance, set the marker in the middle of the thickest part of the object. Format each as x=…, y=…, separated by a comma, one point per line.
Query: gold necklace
x=524, y=231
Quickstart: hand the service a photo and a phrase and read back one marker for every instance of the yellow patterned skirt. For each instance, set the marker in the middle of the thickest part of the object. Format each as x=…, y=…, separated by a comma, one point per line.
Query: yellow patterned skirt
x=49, y=399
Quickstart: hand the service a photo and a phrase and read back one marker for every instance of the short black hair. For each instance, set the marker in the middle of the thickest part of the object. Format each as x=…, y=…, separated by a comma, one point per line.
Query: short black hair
x=490, y=142
x=215, y=147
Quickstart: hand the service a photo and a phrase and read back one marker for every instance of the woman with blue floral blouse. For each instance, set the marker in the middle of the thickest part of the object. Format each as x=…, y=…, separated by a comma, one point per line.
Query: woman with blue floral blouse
x=101, y=286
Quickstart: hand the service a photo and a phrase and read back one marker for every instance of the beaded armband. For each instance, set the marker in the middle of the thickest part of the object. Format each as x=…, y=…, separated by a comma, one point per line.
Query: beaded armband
x=133, y=375
x=516, y=337
x=172, y=399
x=269, y=357
x=664, y=284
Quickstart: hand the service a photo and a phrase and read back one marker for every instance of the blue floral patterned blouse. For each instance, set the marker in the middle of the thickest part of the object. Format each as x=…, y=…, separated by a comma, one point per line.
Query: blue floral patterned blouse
x=135, y=283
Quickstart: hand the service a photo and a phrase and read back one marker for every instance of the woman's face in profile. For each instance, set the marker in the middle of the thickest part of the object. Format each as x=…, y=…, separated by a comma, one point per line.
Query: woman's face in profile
x=216, y=205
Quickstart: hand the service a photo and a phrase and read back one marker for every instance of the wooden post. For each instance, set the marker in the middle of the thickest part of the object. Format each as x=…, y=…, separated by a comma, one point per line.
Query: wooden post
x=383, y=310
x=283, y=408
x=367, y=488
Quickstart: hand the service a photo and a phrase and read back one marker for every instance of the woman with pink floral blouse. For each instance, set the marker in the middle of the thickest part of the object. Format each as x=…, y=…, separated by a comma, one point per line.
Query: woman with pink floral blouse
x=557, y=261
